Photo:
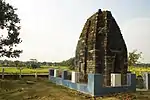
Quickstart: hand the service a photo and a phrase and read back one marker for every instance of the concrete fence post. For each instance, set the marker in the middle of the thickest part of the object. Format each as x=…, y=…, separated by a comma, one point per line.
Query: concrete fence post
x=146, y=79
x=55, y=72
x=75, y=77
x=95, y=84
x=64, y=75
x=133, y=82
x=35, y=75
x=129, y=79
x=115, y=79
x=3, y=71
x=51, y=73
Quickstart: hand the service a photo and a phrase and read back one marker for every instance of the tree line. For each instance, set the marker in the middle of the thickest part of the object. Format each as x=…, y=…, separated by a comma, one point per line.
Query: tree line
x=28, y=64
x=133, y=60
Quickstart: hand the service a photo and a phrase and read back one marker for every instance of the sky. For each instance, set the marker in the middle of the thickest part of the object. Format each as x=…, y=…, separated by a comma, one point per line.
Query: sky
x=50, y=29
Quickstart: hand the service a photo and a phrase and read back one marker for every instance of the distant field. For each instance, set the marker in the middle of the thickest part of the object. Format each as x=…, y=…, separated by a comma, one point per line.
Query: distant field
x=139, y=70
x=43, y=69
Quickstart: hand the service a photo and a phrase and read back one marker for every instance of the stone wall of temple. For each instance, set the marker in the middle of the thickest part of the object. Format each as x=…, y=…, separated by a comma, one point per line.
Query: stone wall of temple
x=101, y=48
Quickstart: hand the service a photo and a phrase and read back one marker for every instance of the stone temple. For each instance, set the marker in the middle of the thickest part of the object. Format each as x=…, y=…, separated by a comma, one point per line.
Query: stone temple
x=101, y=48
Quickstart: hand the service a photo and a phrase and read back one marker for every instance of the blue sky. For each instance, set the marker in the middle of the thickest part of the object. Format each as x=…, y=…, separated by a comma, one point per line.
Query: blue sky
x=51, y=28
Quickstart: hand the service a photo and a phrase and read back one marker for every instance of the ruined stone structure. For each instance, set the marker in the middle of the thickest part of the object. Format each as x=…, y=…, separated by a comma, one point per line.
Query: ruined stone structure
x=101, y=48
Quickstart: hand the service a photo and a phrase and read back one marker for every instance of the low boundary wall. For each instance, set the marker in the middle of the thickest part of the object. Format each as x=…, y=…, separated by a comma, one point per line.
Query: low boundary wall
x=94, y=86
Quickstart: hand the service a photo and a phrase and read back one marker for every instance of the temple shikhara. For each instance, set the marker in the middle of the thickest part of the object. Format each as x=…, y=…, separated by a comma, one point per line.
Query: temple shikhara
x=101, y=48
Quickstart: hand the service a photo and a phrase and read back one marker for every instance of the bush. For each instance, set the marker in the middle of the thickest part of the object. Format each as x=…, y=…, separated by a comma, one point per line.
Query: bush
x=34, y=66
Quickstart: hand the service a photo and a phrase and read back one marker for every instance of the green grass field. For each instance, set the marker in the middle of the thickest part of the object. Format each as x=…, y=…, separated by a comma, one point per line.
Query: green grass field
x=139, y=70
x=44, y=69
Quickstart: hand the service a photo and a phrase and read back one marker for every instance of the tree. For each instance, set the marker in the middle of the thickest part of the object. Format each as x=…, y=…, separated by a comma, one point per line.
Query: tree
x=69, y=63
x=34, y=64
x=9, y=21
x=19, y=65
x=133, y=58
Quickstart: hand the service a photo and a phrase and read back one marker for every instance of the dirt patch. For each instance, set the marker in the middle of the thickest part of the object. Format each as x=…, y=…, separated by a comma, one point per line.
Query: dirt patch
x=31, y=89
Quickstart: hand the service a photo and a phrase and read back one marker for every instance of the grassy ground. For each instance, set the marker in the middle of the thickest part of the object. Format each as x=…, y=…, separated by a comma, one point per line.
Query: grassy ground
x=44, y=90
x=43, y=69
x=40, y=89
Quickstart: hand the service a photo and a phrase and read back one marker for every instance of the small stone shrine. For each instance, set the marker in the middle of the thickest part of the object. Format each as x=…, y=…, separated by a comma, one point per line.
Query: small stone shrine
x=101, y=48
